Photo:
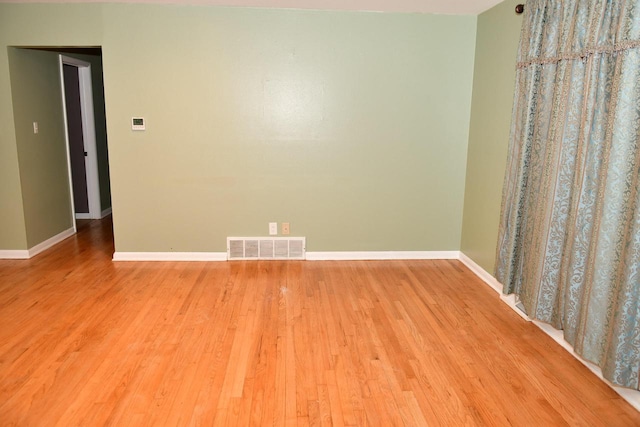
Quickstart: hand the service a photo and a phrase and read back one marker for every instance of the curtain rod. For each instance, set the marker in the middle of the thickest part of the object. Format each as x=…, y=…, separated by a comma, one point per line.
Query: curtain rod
x=519, y=8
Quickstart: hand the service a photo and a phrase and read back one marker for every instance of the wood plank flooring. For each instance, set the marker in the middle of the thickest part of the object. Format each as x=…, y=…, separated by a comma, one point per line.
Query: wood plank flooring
x=85, y=341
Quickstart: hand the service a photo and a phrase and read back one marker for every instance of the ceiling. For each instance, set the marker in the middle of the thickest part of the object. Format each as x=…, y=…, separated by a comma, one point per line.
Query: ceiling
x=452, y=7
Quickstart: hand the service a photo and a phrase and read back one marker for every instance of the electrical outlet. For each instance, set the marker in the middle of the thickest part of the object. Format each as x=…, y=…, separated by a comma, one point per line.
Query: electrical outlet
x=285, y=228
x=273, y=228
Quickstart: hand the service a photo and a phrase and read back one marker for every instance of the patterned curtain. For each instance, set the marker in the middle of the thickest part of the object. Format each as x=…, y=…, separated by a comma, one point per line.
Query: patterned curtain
x=569, y=240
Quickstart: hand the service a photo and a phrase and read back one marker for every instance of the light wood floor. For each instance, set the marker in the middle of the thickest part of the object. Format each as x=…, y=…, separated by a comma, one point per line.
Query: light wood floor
x=88, y=342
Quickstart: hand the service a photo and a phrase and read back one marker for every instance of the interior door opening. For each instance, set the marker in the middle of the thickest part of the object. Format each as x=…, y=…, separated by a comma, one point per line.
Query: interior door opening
x=77, y=152
x=85, y=127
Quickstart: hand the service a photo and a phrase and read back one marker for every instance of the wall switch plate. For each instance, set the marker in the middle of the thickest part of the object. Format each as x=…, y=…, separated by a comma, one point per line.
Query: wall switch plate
x=273, y=228
x=285, y=228
x=35, y=127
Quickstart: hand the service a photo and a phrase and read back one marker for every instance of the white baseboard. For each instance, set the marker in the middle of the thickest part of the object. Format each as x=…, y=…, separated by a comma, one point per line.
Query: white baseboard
x=310, y=256
x=170, y=256
x=40, y=247
x=381, y=255
x=631, y=396
x=481, y=273
x=6, y=254
x=103, y=214
x=510, y=300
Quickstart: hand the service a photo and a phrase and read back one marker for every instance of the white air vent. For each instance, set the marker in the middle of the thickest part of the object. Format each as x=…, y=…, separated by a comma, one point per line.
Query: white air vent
x=265, y=248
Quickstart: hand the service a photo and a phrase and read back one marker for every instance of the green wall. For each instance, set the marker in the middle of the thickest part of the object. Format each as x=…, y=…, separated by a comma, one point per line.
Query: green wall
x=12, y=229
x=351, y=126
x=42, y=157
x=493, y=85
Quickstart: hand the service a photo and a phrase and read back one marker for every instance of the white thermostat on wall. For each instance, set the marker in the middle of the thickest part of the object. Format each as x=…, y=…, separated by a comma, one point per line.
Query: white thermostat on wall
x=137, y=123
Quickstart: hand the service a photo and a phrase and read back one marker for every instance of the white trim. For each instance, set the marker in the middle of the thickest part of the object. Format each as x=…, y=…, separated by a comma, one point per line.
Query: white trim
x=170, y=256
x=481, y=273
x=105, y=212
x=631, y=396
x=487, y=278
x=311, y=256
x=66, y=139
x=6, y=254
x=74, y=61
x=381, y=255
x=40, y=247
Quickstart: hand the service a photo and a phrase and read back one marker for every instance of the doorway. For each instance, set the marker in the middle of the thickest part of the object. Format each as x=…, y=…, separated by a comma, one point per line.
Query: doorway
x=77, y=152
x=82, y=150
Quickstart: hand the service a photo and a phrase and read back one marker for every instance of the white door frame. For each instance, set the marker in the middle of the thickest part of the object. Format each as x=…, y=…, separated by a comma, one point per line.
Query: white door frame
x=88, y=135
